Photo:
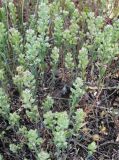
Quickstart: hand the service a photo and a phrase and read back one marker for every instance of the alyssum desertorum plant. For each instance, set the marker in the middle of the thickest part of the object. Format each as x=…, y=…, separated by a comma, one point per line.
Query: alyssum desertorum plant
x=36, y=122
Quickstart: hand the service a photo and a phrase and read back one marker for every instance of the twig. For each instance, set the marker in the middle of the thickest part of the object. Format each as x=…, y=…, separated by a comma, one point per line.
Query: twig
x=109, y=142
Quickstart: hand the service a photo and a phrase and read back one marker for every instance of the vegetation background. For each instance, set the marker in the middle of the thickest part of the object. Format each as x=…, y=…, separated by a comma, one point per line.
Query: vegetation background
x=59, y=80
